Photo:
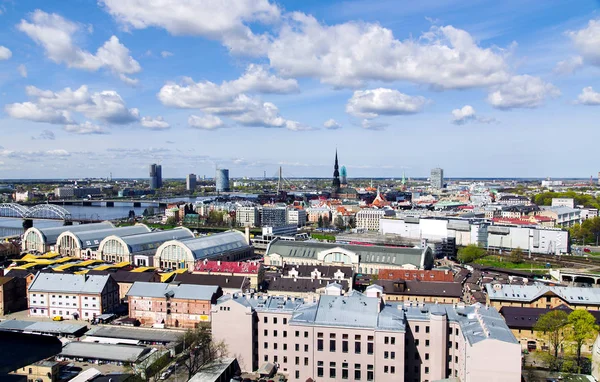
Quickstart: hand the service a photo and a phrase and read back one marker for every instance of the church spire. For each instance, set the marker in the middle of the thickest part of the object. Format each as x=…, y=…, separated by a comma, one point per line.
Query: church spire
x=336, y=174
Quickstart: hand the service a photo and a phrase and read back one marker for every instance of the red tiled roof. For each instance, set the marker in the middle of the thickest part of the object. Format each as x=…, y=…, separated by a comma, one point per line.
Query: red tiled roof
x=408, y=274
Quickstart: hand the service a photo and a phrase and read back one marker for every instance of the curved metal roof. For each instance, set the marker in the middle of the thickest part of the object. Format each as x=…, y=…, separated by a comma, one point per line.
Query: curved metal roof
x=210, y=246
x=91, y=239
x=153, y=240
x=52, y=233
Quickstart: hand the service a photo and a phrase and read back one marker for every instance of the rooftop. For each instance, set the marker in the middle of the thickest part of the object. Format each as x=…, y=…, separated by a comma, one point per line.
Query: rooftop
x=206, y=247
x=92, y=238
x=150, y=335
x=52, y=233
x=68, y=283
x=528, y=293
x=182, y=291
x=56, y=328
x=91, y=350
x=420, y=288
x=227, y=266
x=152, y=240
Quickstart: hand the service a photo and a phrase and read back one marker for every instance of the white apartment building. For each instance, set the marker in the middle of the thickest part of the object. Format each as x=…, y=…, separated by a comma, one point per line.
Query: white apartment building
x=72, y=296
x=565, y=202
x=247, y=216
x=297, y=217
x=368, y=219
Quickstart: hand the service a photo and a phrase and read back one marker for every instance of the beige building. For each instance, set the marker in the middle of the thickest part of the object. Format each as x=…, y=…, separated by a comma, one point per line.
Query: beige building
x=359, y=337
x=368, y=219
x=13, y=294
x=43, y=371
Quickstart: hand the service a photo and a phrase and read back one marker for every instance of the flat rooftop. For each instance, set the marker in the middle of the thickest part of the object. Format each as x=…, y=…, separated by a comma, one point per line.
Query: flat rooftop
x=42, y=327
x=90, y=350
x=150, y=335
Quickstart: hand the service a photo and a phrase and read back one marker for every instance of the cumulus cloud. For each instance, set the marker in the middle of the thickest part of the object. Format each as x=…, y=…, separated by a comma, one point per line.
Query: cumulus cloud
x=372, y=125
x=589, y=97
x=85, y=128
x=468, y=114
x=5, y=53
x=587, y=42
x=36, y=113
x=348, y=54
x=45, y=135
x=332, y=124
x=569, y=65
x=224, y=20
x=165, y=54
x=522, y=91
x=58, y=153
x=157, y=123
x=22, y=69
x=56, y=35
x=205, y=122
x=372, y=103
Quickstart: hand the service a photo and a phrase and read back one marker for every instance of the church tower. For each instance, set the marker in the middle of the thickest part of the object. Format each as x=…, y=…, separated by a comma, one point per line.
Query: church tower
x=336, y=175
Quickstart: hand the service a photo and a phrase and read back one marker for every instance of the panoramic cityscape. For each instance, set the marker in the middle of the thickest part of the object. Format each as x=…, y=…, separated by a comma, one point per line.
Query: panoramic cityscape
x=259, y=191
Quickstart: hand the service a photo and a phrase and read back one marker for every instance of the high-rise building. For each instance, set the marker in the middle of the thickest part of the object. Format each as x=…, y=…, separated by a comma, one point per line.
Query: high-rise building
x=344, y=176
x=274, y=216
x=155, y=176
x=437, y=178
x=190, y=182
x=222, y=180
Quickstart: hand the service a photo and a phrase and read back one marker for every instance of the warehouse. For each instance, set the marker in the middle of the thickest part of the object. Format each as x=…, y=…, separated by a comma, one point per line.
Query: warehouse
x=44, y=239
x=226, y=246
x=138, y=249
x=83, y=244
x=102, y=353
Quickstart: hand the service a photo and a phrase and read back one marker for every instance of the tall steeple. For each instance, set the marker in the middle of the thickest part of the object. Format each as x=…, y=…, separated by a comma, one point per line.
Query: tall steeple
x=336, y=174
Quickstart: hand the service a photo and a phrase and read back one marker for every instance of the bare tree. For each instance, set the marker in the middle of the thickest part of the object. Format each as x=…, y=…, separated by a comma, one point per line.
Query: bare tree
x=199, y=350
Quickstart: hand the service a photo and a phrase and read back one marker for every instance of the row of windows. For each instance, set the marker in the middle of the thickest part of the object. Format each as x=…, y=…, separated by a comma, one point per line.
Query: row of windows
x=345, y=371
x=285, y=321
x=357, y=346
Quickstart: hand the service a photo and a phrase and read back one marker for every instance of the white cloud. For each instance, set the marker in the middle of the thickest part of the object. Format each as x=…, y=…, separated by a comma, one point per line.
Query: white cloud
x=569, y=65
x=157, y=123
x=522, y=91
x=55, y=34
x=347, y=55
x=587, y=42
x=589, y=97
x=45, y=135
x=222, y=20
x=372, y=103
x=372, y=125
x=463, y=115
x=5, y=53
x=35, y=113
x=22, y=69
x=205, y=122
x=332, y=124
x=165, y=54
x=85, y=128
x=58, y=153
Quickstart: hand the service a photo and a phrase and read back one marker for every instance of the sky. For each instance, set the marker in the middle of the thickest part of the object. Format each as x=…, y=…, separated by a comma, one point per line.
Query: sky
x=480, y=88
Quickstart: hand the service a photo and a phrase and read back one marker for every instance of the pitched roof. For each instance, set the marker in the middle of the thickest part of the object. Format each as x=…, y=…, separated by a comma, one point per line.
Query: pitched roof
x=224, y=281
x=153, y=240
x=52, y=233
x=411, y=274
x=420, y=288
x=288, y=284
x=528, y=293
x=68, y=283
x=22, y=273
x=228, y=266
x=121, y=276
x=327, y=271
x=526, y=318
x=4, y=279
x=92, y=238
x=209, y=246
x=183, y=291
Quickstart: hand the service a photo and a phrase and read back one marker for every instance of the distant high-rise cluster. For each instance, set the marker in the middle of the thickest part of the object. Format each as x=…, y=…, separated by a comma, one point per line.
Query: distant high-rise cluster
x=190, y=182
x=155, y=176
x=222, y=180
x=437, y=178
x=344, y=176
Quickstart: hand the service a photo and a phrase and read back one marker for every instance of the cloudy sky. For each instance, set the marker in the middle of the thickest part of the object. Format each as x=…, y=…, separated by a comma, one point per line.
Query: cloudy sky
x=480, y=88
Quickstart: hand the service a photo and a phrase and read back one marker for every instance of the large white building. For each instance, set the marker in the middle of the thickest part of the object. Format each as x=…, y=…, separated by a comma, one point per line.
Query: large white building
x=296, y=216
x=247, y=216
x=368, y=218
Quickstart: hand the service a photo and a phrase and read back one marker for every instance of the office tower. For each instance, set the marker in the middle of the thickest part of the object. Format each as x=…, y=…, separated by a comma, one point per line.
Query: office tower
x=222, y=180
x=190, y=182
x=344, y=176
x=437, y=178
x=155, y=176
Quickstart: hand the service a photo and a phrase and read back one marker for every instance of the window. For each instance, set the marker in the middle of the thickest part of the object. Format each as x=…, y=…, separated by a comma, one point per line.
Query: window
x=426, y=343
x=274, y=320
x=416, y=328
x=297, y=347
x=297, y=333
x=275, y=358
x=305, y=334
x=416, y=342
x=392, y=369
x=393, y=355
x=370, y=348
x=426, y=356
x=275, y=345
x=386, y=355
x=455, y=359
x=30, y=371
x=266, y=345
x=427, y=329
x=265, y=320
x=319, y=335
x=332, y=345
x=426, y=370
x=456, y=345
x=285, y=333
x=369, y=372
x=393, y=340
x=306, y=348
x=331, y=335
x=319, y=368
x=386, y=340
x=305, y=361
x=344, y=373
x=284, y=359
x=285, y=321
x=274, y=333
x=357, y=337
x=297, y=361
x=266, y=332
x=456, y=332
x=356, y=374
x=297, y=374
x=344, y=346
x=319, y=345
x=370, y=338
x=357, y=347
x=331, y=369
x=386, y=369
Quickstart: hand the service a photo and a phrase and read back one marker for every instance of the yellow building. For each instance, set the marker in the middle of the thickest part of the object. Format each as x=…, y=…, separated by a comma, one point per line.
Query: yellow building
x=42, y=371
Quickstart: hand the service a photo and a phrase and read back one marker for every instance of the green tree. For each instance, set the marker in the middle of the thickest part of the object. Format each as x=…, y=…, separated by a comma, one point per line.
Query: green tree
x=582, y=329
x=320, y=221
x=553, y=325
x=516, y=256
x=593, y=227
x=470, y=253
x=199, y=350
x=339, y=223
x=172, y=220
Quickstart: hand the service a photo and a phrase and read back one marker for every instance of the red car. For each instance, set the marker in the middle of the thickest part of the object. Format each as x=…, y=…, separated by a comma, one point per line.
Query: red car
x=587, y=250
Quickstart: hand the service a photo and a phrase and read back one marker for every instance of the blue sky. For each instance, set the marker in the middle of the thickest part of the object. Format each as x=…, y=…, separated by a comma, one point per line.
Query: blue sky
x=480, y=88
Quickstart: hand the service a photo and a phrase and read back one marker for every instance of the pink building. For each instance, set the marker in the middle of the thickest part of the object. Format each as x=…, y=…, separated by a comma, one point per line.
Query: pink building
x=359, y=337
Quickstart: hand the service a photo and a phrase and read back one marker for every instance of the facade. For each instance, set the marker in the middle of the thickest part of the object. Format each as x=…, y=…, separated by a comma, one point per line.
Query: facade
x=437, y=178
x=227, y=283
x=190, y=182
x=42, y=371
x=362, y=259
x=247, y=216
x=358, y=337
x=563, y=216
x=252, y=270
x=368, y=218
x=296, y=216
x=44, y=239
x=13, y=294
x=185, y=254
x=138, y=249
x=76, y=192
x=72, y=296
x=126, y=279
x=222, y=180
x=155, y=176
x=273, y=216
x=542, y=296
x=420, y=275
x=172, y=305
x=564, y=202
x=419, y=291
x=84, y=244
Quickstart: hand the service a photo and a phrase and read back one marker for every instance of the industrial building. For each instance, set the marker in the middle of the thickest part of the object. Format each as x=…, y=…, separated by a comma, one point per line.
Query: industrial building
x=83, y=244
x=155, y=176
x=222, y=180
x=360, y=337
x=362, y=258
x=138, y=249
x=186, y=253
x=44, y=239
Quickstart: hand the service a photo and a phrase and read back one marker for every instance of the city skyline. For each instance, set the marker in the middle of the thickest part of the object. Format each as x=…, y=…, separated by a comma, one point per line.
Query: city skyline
x=484, y=90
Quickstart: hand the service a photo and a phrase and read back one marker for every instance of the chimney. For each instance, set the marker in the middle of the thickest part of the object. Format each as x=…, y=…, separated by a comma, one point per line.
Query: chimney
x=219, y=262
